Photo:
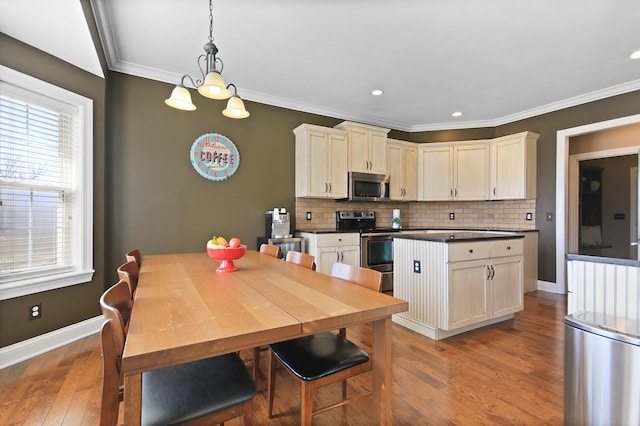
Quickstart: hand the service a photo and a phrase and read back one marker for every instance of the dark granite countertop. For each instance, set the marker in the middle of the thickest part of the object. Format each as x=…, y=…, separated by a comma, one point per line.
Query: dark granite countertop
x=615, y=255
x=458, y=236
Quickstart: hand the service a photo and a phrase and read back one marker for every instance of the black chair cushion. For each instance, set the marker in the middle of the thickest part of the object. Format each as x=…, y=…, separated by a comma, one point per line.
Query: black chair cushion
x=318, y=355
x=183, y=392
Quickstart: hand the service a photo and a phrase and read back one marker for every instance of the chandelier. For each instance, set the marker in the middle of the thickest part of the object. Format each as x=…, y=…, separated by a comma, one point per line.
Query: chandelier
x=211, y=84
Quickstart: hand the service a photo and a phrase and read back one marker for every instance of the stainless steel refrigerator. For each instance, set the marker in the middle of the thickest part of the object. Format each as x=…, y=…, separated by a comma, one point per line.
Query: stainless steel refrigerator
x=602, y=370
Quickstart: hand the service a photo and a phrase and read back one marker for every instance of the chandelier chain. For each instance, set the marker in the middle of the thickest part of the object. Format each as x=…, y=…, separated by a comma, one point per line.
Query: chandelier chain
x=211, y=21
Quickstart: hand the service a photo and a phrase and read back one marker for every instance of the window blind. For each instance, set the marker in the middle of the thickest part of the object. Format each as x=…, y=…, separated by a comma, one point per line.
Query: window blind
x=36, y=185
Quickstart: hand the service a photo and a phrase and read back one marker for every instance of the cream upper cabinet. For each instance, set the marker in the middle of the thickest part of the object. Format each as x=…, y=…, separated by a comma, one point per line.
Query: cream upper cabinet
x=321, y=162
x=457, y=171
x=513, y=166
x=402, y=160
x=367, y=147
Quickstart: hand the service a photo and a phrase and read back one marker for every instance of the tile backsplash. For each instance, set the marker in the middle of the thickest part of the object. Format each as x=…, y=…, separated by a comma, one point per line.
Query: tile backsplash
x=507, y=215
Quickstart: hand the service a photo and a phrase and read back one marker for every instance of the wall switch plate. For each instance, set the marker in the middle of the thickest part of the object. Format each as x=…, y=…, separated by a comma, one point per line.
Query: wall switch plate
x=618, y=216
x=452, y=216
x=416, y=266
x=529, y=216
x=308, y=215
x=549, y=217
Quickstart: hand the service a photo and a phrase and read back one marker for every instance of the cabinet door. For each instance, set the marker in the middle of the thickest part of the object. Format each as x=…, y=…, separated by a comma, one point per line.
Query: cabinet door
x=435, y=173
x=467, y=298
x=471, y=172
x=337, y=166
x=318, y=164
x=506, y=285
x=410, y=173
x=508, y=174
x=350, y=255
x=325, y=258
x=358, y=150
x=396, y=172
x=377, y=152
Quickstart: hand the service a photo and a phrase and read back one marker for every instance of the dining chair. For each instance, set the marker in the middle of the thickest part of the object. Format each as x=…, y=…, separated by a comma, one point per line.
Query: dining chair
x=324, y=358
x=302, y=259
x=270, y=250
x=129, y=272
x=135, y=256
x=116, y=303
x=208, y=391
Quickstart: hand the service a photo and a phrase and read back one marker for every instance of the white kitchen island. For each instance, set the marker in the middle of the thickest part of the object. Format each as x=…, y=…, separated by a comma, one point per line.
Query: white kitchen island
x=457, y=281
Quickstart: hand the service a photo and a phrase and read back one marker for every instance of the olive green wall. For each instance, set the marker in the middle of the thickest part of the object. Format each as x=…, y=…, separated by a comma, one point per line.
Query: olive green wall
x=68, y=305
x=158, y=203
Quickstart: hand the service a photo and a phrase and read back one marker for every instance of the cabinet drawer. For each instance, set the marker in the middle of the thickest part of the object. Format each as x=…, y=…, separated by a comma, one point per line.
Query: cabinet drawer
x=501, y=248
x=459, y=252
x=334, y=240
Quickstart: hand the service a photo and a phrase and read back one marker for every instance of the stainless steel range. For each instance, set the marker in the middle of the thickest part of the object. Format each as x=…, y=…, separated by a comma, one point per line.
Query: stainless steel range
x=376, y=244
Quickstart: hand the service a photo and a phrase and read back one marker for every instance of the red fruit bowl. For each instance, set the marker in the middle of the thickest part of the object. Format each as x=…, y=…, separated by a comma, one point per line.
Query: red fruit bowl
x=227, y=256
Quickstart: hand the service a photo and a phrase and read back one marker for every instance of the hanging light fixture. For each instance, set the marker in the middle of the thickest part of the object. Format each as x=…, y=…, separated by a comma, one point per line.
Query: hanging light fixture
x=211, y=84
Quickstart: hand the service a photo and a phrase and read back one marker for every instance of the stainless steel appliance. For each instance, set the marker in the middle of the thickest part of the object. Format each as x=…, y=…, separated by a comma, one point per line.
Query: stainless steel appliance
x=277, y=224
x=376, y=245
x=602, y=370
x=368, y=187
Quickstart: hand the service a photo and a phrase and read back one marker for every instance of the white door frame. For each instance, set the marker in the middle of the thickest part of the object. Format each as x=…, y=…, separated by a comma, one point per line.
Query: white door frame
x=562, y=183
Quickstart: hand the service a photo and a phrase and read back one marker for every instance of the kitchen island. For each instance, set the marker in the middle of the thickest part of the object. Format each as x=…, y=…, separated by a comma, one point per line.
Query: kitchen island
x=605, y=281
x=457, y=281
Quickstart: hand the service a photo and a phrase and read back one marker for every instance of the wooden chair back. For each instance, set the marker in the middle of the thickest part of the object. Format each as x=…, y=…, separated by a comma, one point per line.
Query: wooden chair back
x=364, y=277
x=129, y=273
x=135, y=256
x=111, y=373
x=302, y=259
x=116, y=304
x=270, y=250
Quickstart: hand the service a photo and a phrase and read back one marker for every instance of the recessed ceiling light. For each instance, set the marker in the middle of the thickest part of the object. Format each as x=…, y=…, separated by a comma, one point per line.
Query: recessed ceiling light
x=456, y=114
x=377, y=92
x=635, y=55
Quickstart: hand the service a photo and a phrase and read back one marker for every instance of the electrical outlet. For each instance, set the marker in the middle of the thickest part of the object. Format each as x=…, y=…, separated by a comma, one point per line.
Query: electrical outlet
x=529, y=216
x=549, y=217
x=308, y=215
x=416, y=266
x=452, y=216
x=35, y=311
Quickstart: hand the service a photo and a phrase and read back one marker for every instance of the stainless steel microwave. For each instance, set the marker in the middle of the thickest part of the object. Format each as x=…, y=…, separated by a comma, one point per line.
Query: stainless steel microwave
x=368, y=187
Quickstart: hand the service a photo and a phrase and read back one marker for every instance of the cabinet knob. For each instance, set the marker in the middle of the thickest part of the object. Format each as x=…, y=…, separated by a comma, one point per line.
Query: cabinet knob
x=508, y=247
x=470, y=250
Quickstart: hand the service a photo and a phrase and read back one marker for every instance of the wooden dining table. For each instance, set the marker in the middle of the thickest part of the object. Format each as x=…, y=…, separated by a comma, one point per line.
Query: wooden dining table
x=185, y=311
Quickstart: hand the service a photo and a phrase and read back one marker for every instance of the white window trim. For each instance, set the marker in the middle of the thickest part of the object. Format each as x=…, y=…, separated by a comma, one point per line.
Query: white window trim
x=84, y=274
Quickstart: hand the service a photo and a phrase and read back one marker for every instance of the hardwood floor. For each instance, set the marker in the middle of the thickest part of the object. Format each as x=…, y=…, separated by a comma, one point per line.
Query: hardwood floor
x=509, y=373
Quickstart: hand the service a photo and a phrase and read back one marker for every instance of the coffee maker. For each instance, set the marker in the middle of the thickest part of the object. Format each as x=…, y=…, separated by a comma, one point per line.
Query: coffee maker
x=277, y=223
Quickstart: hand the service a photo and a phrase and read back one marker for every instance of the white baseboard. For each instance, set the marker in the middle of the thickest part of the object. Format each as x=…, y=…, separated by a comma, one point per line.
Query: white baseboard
x=550, y=287
x=21, y=351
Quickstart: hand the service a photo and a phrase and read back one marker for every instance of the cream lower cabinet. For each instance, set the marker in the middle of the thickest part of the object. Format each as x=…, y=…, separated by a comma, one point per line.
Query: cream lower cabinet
x=331, y=248
x=460, y=286
x=487, y=287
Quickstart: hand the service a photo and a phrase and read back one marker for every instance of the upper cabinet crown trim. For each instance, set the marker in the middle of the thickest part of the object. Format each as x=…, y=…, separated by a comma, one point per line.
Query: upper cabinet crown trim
x=346, y=124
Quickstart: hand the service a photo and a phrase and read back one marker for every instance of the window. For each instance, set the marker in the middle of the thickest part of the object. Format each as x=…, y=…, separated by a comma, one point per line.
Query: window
x=45, y=186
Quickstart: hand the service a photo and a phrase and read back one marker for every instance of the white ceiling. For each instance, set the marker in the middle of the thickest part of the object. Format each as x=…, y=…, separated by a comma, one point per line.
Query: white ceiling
x=497, y=61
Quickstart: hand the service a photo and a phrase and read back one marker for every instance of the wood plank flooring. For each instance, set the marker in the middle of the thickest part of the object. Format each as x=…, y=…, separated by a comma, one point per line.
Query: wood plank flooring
x=508, y=373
